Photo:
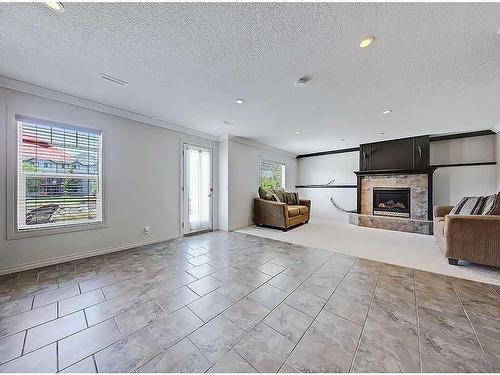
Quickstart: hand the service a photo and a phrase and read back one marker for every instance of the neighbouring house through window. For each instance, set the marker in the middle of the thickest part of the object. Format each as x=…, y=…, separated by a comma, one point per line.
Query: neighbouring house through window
x=272, y=174
x=59, y=175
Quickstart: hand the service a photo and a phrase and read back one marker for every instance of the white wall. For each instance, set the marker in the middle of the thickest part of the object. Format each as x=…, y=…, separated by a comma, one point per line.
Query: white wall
x=142, y=169
x=463, y=150
x=320, y=170
x=453, y=183
x=223, y=185
x=497, y=149
x=244, y=176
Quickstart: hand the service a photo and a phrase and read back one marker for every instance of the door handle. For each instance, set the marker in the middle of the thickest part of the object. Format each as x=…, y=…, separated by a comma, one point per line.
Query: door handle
x=419, y=152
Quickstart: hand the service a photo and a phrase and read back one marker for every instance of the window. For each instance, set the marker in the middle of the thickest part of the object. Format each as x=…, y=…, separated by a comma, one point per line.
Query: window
x=272, y=174
x=50, y=191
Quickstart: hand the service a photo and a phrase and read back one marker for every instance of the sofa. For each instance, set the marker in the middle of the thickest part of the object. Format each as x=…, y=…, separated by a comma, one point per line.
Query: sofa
x=281, y=215
x=474, y=238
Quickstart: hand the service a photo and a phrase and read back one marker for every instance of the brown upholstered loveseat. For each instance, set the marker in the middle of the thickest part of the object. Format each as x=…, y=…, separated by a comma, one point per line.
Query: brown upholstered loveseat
x=474, y=238
x=281, y=215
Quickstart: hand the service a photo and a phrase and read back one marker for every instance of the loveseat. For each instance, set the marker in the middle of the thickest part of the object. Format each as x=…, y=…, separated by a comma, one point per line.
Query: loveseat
x=281, y=215
x=474, y=238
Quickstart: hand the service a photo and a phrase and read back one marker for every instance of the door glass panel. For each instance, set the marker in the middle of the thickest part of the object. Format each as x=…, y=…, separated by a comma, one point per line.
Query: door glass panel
x=198, y=163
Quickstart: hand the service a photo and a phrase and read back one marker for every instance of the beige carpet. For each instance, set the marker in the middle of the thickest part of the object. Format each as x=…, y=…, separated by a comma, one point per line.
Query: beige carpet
x=404, y=249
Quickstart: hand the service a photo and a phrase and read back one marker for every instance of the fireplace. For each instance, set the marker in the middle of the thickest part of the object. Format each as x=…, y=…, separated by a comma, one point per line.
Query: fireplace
x=391, y=202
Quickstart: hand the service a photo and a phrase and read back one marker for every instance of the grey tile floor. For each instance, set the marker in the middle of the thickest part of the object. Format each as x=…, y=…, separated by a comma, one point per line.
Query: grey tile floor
x=229, y=302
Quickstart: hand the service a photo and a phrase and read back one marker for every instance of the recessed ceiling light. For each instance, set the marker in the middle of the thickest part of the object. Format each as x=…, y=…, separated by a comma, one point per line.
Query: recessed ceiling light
x=240, y=101
x=381, y=133
x=498, y=32
x=366, y=42
x=387, y=111
x=297, y=132
x=55, y=6
x=229, y=123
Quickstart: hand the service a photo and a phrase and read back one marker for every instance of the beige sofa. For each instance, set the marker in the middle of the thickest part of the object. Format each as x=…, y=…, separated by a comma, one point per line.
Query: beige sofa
x=281, y=215
x=474, y=238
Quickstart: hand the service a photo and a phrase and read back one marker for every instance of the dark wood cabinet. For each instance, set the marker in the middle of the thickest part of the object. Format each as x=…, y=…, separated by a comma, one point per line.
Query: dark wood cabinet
x=421, y=151
x=396, y=154
x=364, y=157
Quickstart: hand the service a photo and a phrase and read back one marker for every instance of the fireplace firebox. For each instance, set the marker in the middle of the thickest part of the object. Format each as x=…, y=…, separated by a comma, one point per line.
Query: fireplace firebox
x=391, y=202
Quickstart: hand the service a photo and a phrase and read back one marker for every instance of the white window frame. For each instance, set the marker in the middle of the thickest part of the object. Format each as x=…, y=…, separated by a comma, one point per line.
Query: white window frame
x=283, y=180
x=12, y=179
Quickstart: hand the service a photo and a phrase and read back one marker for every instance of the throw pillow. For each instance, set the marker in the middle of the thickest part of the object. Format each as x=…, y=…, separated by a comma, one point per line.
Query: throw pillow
x=274, y=197
x=291, y=198
x=267, y=194
x=468, y=206
x=496, y=208
x=263, y=193
x=280, y=194
x=488, y=204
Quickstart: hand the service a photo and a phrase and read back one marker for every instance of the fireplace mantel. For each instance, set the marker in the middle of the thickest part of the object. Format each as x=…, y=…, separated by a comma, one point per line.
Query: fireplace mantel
x=387, y=172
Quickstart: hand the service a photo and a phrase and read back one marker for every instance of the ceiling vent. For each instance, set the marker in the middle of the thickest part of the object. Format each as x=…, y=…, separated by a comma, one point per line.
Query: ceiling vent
x=302, y=81
x=114, y=80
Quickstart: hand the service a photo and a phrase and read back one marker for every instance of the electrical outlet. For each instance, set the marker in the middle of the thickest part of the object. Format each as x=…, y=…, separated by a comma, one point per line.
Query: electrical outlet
x=147, y=229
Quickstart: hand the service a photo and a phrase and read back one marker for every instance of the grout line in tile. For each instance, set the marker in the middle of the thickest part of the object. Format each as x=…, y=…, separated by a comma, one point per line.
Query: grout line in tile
x=366, y=319
x=24, y=342
x=24, y=354
x=494, y=290
x=57, y=355
x=473, y=329
x=85, y=316
x=343, y=317
x=194, y=314
x=95, y=363
x=187, y=337
x=420, y=364
x=114, y=342
x=36, y=325
x=119, y=329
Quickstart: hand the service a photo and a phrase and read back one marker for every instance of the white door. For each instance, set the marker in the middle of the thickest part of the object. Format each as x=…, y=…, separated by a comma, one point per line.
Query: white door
x=197, y=188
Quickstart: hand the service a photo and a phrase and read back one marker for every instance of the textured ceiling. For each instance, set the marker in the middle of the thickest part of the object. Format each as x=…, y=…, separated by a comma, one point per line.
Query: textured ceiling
x=437, y=65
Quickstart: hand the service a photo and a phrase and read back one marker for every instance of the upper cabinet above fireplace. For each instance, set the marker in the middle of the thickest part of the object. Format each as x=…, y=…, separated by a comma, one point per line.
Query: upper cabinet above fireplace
x=398, y=154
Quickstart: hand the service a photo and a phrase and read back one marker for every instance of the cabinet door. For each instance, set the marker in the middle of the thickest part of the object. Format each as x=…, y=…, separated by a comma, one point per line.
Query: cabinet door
x=421, y=152
x=394, y=154
x=365, y=157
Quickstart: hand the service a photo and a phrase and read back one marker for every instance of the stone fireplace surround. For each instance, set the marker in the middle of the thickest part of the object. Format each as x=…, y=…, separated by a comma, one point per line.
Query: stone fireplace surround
x=420, y=185
x=417, y=183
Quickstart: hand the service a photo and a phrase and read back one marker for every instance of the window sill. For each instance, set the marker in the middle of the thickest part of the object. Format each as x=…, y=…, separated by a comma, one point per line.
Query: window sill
x=56, y=230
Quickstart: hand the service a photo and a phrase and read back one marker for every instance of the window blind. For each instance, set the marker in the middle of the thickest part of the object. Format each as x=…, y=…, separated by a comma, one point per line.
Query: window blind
x=59, y=169
x=272, y=174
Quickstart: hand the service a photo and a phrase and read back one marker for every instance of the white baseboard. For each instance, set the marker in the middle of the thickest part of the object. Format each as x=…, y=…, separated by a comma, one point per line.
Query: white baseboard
x=86, y=254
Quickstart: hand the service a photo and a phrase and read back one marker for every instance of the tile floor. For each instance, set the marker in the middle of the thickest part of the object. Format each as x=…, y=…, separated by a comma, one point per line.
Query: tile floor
x=222, y=302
